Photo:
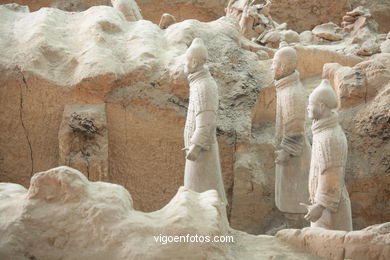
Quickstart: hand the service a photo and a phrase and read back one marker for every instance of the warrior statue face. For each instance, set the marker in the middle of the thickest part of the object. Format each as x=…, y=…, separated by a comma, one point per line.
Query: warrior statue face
x=315, y=109
x=196, y=56
x=321, y=101
x=284, y=63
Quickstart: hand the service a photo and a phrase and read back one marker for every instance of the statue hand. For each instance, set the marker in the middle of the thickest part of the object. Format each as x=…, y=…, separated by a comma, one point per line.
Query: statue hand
x=282, y=157
x=314, y=212
x=193, y=152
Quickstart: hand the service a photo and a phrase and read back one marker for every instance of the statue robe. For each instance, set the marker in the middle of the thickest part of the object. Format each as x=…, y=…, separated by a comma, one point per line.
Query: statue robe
x=200, y=129
x=327, y=180
x=291, y=179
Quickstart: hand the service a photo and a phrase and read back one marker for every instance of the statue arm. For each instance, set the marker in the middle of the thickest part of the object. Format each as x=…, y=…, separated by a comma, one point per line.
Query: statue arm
x=293, y=144
x=289, y=132
x=293, y=117
x=278, y=126
x=205, y=124
x=330, y=188
x=282, y=154
x=202, y=137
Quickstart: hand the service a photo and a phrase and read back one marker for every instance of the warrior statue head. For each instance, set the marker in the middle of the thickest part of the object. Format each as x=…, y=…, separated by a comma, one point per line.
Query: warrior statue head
x=284, y=63
x=321, y=101
x=196, y=56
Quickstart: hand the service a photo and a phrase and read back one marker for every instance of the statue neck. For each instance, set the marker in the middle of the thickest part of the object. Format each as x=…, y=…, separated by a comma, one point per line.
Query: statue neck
x=198, y=75
x=286, y=81
x=327, y=113
x=325, y=122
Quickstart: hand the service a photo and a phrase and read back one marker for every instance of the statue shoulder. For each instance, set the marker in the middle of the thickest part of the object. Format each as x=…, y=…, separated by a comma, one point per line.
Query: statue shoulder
x=208, y=86
x=207, y=95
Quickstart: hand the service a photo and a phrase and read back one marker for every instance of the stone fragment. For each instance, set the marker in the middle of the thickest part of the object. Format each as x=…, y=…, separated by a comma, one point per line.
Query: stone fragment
x=272, y=39
x=380, y=11
x=369, y=47
x=306, y=36
x=377, y=71
x=290, y=36
x=360, y=83
x=328, y=31
x=363, y=28
x=349, y=19
x=385, y=46
x=359, y=11
x=253, y=18
x=347, y=26
x=166, y=20
x=282, y=26
x=359, y=23
x=349, y=83
x=83, y=140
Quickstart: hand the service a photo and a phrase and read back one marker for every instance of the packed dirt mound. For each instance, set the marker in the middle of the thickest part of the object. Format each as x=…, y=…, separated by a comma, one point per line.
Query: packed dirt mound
x=64, y=216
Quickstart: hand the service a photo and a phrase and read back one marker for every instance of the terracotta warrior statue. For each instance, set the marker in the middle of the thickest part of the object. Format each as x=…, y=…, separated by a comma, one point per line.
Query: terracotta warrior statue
x=202, y=169
x=293, y=149
x=331, y=207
